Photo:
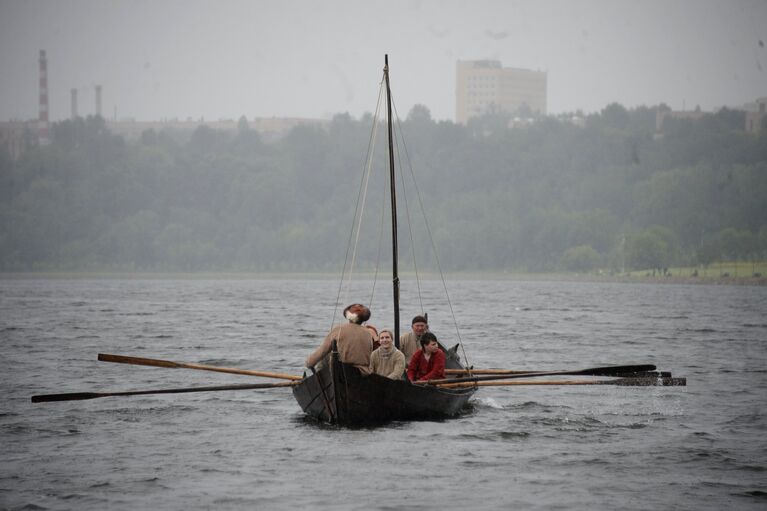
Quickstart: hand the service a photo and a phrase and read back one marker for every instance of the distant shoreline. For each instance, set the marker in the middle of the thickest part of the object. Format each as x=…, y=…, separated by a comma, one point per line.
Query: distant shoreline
x=498, y=275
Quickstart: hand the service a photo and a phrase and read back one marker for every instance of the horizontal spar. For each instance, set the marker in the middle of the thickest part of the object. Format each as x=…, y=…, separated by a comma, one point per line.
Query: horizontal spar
x=626, y=382
x=79, y=396
x=121, y=359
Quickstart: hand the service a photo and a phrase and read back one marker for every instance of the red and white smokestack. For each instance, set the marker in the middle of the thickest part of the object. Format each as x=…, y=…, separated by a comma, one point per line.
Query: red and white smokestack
x=43, y=119
x=98, y=100
x=74, y=103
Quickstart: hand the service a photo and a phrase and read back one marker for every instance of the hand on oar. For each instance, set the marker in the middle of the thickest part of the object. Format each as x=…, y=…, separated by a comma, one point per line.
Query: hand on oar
x=594, y=371
x=74, y=396
x=104, y=357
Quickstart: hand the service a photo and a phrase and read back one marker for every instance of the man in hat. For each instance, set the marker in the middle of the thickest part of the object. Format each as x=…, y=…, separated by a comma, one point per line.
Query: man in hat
x=354, y=341
x=409, y=342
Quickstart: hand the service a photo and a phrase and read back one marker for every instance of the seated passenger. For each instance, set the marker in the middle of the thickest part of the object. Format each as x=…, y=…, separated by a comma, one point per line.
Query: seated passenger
x=353, y=340
x=374, y=335
x=428, y=363
x=409, y=341
x=387, y=360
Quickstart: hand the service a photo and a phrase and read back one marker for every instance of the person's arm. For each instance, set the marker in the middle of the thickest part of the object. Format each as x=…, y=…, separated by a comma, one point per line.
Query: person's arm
x=405, y=347
x=320, y=352
x=437, y=371
x=412, y=367
x=399, y=366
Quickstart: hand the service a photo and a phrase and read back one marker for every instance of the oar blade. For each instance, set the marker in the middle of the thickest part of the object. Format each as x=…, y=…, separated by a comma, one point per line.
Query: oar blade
x=617, y=370
x=73, y=396
x=122, y=359
x=650, y=382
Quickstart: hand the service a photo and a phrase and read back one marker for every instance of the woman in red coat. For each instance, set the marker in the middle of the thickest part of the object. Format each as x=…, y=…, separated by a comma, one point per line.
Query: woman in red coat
x=428, y=363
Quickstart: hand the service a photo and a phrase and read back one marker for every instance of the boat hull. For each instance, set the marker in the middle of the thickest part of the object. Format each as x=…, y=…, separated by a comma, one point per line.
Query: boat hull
x=340, y=394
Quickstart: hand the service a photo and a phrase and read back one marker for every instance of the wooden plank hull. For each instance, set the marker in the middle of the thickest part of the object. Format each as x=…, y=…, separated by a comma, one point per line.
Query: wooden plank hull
x=339, y=394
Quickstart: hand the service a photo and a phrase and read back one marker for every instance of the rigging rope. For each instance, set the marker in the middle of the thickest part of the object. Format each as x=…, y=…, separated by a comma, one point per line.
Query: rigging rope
x=431, y=239
x=380, y=243
x=358, y=209
x=355, y=231
x=398, y=136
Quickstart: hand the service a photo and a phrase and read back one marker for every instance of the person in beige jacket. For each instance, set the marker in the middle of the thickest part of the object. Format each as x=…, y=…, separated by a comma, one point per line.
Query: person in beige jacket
x=409, y=341
x=387, y=360
x=353, y=340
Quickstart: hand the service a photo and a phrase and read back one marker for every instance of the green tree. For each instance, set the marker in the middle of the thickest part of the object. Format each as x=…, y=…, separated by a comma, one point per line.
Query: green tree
x=650, y=249
x=582, y=258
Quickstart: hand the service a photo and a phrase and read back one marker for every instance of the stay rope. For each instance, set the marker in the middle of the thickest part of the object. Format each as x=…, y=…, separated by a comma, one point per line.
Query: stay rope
x=355, y=231
x=359, y=207
x=429, y=233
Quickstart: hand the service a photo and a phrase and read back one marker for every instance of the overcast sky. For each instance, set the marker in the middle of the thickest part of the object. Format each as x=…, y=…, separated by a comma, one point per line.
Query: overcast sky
x=160, y=59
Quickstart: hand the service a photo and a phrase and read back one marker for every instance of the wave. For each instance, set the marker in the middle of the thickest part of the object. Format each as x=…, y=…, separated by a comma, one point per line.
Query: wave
x=495, y=435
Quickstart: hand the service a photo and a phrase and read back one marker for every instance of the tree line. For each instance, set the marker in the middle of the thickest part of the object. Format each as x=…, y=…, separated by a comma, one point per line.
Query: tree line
x=606, y=192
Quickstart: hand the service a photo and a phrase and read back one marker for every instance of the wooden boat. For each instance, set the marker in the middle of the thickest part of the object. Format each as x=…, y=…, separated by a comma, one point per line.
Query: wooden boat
x=339, y=394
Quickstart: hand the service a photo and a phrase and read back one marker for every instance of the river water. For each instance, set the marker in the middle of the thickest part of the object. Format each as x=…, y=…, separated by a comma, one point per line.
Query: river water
x=703, y=446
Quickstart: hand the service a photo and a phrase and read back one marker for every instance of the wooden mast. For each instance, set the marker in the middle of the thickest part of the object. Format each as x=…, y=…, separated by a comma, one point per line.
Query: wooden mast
x=395, y=276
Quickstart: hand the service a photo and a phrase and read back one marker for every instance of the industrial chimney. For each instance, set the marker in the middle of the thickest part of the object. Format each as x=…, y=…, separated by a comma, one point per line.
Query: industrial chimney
x=43, y=119
x=74, y=103
x=98, y=100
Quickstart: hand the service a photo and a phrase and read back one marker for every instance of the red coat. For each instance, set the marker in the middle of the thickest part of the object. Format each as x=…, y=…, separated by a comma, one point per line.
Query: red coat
x=421, y=369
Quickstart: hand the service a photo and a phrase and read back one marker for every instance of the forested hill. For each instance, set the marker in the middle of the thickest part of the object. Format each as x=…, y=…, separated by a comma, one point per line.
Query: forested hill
x=549, y=195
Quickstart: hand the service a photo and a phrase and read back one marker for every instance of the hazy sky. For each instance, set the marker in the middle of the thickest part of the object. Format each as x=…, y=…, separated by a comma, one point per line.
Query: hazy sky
x=159, y=59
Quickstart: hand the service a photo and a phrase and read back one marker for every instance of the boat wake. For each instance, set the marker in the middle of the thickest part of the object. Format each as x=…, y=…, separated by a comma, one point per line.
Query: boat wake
x=487, y=402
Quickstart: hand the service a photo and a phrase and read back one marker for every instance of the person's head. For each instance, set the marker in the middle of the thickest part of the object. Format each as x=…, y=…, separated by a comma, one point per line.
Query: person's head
x=429, y=343
x=373, y=331
x=357, y=313
x=419, y=325
x=386, y=338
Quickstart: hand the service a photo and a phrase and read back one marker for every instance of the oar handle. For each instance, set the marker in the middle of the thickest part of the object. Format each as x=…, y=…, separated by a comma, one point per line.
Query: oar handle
x=122, y=359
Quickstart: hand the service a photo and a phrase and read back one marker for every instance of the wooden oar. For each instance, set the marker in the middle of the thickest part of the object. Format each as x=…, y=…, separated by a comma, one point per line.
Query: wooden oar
x=594, y=371
x=74, y=396
x=484, y=372
x=104, y=357
x=626, y=382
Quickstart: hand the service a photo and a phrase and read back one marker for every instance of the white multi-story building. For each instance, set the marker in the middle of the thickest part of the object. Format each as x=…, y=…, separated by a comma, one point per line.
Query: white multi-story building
x=483, y=86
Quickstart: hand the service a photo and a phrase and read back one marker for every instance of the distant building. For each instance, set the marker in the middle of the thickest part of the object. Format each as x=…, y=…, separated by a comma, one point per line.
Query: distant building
x=662, y=114
x=483, y=86
x=17, y=136
x=755, y=116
